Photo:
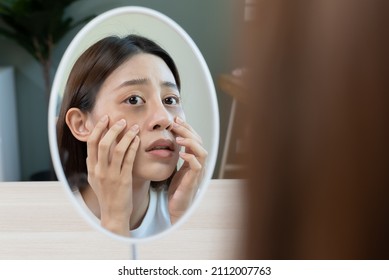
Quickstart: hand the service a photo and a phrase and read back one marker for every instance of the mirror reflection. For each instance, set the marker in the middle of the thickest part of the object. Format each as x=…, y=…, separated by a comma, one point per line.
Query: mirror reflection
x=128, y=149
x=120, y=132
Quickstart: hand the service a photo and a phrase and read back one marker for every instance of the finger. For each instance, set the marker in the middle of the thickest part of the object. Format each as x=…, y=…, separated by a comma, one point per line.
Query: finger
x=181, y=122
x=107, y=141
x=193, y=147
x=122, y=147
x=193, y=162
x=130, y=157
x=94, y=139
x=183, y=129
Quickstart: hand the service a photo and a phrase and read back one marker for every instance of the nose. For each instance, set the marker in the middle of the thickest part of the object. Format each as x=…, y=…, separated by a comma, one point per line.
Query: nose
x=160, y=118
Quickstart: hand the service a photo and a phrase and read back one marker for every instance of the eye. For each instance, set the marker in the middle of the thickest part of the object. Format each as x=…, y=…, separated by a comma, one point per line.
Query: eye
x=135, y=100
x=171, y=100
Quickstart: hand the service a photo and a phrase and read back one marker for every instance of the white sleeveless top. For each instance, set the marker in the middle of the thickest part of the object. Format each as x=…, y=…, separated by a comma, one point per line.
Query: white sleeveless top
x=156, y=220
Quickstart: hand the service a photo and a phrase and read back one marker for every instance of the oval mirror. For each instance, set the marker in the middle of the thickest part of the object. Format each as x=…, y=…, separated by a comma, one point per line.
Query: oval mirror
x=141, y=80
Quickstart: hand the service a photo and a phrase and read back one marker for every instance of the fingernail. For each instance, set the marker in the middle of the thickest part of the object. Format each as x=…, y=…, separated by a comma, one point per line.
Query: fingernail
x=135, y=127
x=179, y=139
x=122, y=122
x=182, y=154
x=104, y=118
x=179, y=120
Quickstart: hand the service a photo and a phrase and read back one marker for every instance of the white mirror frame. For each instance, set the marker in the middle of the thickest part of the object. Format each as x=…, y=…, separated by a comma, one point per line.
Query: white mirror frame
x=198, y=90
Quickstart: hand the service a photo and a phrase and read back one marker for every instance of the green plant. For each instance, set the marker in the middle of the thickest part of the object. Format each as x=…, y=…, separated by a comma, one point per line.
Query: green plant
x=37, y=25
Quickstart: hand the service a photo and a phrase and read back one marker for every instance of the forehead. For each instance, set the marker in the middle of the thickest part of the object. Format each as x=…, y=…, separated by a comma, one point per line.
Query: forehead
x=142, y=66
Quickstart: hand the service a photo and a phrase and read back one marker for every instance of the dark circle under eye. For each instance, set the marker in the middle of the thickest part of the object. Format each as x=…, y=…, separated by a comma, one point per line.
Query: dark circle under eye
x=171, y=100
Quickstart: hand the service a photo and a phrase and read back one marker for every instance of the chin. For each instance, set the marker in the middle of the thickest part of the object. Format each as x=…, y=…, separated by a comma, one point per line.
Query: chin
x=155, y=172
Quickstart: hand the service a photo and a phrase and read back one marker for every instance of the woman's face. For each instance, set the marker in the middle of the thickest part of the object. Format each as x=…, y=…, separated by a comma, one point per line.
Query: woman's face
x=143, y=91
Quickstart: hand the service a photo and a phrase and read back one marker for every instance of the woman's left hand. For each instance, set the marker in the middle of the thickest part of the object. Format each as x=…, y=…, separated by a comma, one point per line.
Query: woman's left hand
x=186, y=181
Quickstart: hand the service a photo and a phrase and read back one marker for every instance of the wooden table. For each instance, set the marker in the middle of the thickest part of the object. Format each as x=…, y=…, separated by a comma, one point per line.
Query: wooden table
x=38, y=221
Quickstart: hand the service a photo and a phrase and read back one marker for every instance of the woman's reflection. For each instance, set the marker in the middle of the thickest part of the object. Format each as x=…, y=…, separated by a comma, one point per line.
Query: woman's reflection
x=120, y=132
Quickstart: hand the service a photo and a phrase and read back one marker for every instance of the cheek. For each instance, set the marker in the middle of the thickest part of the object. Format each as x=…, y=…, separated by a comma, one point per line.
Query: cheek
x=114, y=117
x=179, y=112
x=131, y=120
x=182, y=116
x=114, y=111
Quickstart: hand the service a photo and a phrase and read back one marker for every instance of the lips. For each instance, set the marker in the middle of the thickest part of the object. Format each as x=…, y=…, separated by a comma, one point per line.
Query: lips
x=161, y=148
x=161, y=144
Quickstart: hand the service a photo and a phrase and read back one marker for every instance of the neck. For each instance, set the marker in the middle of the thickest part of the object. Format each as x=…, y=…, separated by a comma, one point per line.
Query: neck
x=140, y=201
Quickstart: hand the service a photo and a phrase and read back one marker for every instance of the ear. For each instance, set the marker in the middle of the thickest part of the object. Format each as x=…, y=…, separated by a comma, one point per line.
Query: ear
x=77, y=122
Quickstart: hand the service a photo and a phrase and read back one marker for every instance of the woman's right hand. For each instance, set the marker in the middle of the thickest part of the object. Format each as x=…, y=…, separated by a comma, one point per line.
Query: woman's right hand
x=109, y=164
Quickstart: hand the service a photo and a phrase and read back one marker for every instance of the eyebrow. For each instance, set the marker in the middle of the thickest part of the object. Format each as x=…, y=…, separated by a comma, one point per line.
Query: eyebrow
x=145, y=81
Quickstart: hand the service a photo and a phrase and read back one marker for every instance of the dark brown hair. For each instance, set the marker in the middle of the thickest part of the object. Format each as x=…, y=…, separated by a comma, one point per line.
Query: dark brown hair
x=88, y=74
x=319, y=102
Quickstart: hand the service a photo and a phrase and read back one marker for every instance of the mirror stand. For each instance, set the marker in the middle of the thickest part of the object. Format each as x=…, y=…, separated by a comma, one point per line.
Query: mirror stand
x=134, y=252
